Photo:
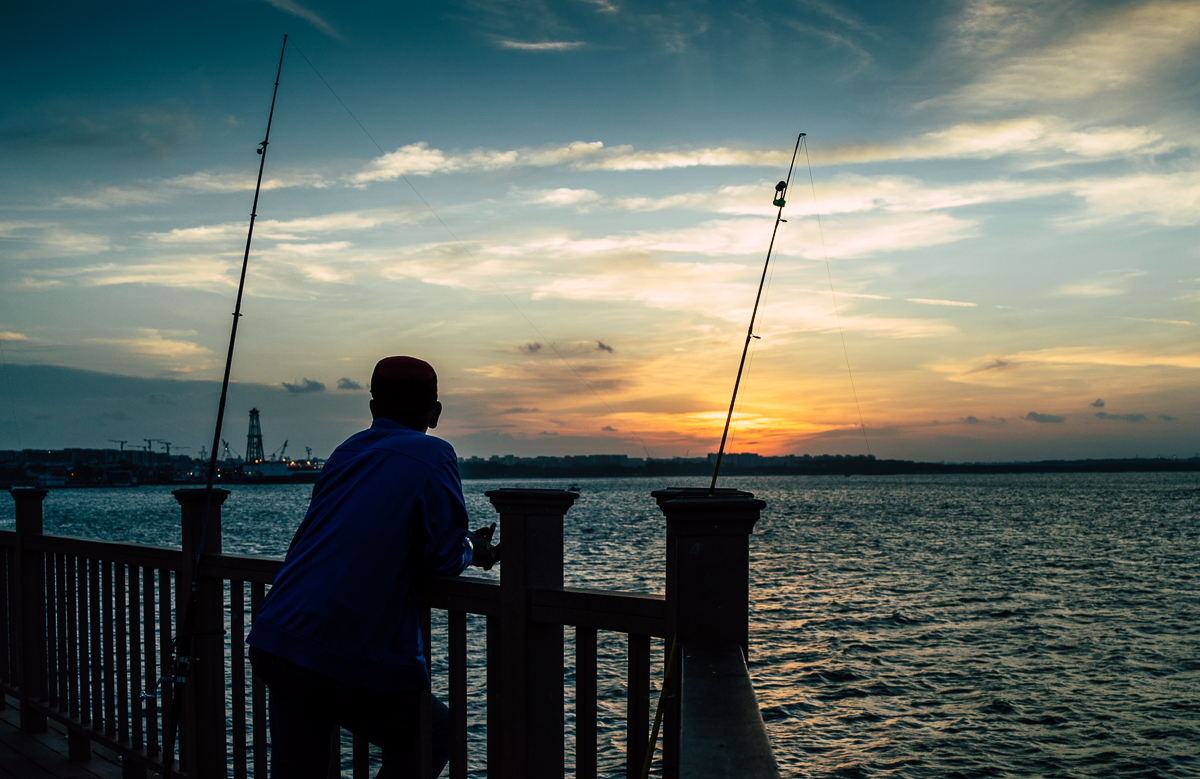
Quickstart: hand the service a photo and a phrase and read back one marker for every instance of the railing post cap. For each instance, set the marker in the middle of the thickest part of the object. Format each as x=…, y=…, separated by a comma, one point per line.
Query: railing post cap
x=531, y=501
x=712, y=516
x=674, y=493
x=194, y=496
x=28, y=493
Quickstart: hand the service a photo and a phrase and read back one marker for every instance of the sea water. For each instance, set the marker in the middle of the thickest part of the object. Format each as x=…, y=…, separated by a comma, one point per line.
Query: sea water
x=910, y=626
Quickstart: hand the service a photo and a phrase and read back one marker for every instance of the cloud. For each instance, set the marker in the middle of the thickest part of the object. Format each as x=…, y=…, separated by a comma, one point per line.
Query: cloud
x=1167, y=418
x=9, y=335
x=1034, y=416
x=603, y=347
x=533, y=347
x=543, y=46
x=1121, y=417
x=1028, y=135
x=40, y=240
x=151, y=132
x=305, y=385
x=1124, y=49
x=973, y=420
x=928, y=302
x=1097, y=403
x=291, y=7
x=609, y=429
x=520, y=410
x=548, y=433
x=1183, y=322
x=1167, y=199
x=561, y=197
x=1084, y=355
x=418, y=159
x=348, y=384
x=200, y=182
x=153, y=344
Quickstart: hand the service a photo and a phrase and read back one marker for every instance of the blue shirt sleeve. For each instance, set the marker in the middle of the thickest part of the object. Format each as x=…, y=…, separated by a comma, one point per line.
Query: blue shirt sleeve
x=448, y=552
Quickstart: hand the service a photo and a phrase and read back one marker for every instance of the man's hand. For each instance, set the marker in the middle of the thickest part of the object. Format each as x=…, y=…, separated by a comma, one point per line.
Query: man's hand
x=485, y=554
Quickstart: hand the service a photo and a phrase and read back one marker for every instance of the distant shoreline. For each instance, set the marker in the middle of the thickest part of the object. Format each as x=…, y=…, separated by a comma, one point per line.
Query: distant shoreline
x=830, y=466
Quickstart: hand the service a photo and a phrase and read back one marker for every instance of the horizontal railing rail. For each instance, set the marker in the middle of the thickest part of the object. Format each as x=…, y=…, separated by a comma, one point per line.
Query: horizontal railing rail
x=722, y=735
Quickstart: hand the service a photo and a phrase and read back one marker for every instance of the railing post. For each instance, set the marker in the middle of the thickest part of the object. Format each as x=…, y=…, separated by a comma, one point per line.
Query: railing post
x=708, y=581
x=531, y=729
x=202, y=731
x=30, y=603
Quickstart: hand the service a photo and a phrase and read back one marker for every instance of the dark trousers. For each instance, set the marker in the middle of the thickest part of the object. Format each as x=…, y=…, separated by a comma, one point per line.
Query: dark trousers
x=305, y=708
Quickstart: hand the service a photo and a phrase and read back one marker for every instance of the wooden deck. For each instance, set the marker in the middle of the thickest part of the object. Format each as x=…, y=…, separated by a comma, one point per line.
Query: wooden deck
x=45, y=755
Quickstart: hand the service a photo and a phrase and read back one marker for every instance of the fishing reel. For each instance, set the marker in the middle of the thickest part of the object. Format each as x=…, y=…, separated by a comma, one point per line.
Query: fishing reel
x=780, y=189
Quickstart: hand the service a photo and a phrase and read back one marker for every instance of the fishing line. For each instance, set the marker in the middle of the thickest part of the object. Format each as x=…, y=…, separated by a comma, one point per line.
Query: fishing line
x=11, y=404
x=833, y=295
x=478, y=262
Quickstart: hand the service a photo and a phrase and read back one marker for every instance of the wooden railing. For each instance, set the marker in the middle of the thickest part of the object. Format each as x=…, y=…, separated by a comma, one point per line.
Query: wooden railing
x=86, y=629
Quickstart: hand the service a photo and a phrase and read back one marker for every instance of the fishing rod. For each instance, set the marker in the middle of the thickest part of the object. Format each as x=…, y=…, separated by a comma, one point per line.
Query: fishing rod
x=181, y=660
x=780, y=202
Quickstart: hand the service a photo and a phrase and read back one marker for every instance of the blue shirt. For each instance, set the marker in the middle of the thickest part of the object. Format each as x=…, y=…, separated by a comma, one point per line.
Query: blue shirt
x=387, y=508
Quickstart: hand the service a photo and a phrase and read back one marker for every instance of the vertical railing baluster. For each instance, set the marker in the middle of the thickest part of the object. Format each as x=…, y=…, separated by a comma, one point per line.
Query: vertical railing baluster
x=258, y=692
x=165, y=602
x=137, y=706
x=335, y=753
x=637, y=712
x=96, y=642
x=51, y=638
x=74, y=638
x=495, y=746
x=6, y=646
x=84, y=636
x=121, y=655
x=62, y=616
x=425, y=744
x=151, y=661
x=456, y=634
x=361, y=757
x=585, y=703
x=108, y=606
x=237, y=675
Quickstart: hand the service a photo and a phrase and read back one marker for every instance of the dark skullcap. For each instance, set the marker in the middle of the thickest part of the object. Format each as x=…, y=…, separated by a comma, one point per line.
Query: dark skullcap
x=404, y=384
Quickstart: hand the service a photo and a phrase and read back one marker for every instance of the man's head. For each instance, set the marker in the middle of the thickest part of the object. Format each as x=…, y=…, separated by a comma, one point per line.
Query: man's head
x=404, y=390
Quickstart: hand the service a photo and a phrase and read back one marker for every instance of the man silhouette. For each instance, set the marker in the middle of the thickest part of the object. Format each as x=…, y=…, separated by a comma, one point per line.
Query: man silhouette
x=337, y=639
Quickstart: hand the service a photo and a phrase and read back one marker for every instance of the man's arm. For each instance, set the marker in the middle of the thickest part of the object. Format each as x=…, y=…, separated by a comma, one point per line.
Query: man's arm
x=452, y=547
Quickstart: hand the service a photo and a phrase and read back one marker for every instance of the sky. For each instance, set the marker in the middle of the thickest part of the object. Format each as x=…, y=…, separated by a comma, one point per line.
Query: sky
x=991, y=249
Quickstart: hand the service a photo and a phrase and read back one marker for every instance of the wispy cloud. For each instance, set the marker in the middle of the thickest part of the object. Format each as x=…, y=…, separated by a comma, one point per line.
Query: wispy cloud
x=1121, y=50
x=295, y=9
x=929, y=302
x=1021, y=135
x=152, y=343
x=418, y=159
x=9, y=335
x=541, y=46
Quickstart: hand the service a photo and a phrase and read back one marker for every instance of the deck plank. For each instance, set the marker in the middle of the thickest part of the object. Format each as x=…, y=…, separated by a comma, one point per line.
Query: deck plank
x=44, y=755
